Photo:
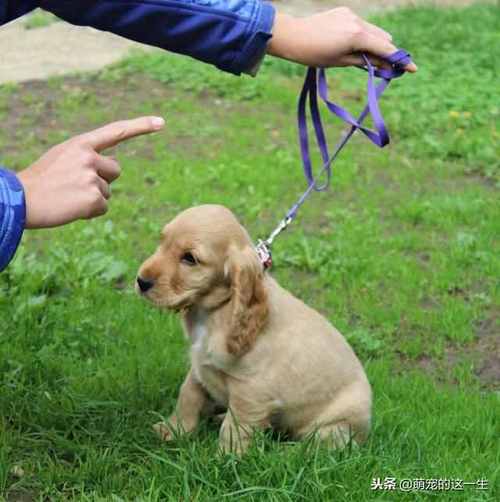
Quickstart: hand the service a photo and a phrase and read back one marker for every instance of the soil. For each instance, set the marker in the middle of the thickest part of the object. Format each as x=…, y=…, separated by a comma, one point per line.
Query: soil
x=483, y=354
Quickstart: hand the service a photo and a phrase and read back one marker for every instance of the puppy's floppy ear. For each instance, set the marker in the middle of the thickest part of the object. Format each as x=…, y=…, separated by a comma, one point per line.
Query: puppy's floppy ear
x=249, y=299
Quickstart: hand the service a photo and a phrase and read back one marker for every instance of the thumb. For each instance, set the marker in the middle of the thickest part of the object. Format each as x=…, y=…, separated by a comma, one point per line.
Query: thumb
x=112, y=134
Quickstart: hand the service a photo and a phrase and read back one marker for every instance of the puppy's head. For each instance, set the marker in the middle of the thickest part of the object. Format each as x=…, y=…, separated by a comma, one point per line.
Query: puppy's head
x=206, y=259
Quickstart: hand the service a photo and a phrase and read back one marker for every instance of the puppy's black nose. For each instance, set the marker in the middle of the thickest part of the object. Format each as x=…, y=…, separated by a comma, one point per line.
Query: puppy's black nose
x=144, y=285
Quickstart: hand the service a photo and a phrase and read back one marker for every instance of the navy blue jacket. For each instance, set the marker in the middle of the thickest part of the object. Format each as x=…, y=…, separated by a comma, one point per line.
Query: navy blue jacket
x=230, y=34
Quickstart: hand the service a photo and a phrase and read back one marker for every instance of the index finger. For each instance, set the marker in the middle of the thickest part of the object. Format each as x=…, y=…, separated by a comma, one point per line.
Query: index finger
x=112, y=134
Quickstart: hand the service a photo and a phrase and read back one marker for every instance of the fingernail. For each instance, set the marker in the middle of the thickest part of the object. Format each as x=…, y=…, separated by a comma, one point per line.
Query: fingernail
x=157, y=122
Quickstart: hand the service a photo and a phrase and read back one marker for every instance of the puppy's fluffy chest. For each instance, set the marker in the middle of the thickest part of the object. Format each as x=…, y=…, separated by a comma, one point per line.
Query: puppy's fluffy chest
x=209, y=359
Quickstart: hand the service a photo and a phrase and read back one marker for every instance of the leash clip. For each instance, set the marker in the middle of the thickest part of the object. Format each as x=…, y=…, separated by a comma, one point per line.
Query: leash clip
x=264, y=253
x=263, y=247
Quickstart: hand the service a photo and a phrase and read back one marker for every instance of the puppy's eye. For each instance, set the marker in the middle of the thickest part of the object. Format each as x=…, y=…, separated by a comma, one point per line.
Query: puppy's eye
x=188, y=259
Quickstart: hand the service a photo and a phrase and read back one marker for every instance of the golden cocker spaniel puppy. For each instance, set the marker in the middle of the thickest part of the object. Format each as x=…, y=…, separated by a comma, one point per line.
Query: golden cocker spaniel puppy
x=256, y=350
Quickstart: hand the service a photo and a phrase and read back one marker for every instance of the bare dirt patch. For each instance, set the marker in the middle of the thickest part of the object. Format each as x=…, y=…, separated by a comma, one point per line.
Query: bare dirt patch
x=39, y=114
x=20, y=496
x=45, y=117
x=487, y=349
x=57, y=49
x=483, y=354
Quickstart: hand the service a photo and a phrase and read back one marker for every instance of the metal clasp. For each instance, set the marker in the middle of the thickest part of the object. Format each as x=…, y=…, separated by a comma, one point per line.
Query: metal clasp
x=264, y=253
x=263, y=247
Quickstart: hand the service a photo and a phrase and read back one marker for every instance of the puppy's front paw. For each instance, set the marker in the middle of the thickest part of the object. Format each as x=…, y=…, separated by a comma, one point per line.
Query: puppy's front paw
x=233, y=438
x=164, y=431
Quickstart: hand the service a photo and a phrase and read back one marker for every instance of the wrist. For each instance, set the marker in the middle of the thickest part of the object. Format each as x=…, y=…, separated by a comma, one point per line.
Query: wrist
x=286, y=37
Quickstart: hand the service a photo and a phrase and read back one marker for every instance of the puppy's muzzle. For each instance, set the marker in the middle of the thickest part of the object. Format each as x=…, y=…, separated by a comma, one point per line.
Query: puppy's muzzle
x=144, y=284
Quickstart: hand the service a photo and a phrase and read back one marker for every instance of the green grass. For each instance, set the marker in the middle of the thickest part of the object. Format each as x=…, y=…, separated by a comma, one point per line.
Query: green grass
x=401, y=255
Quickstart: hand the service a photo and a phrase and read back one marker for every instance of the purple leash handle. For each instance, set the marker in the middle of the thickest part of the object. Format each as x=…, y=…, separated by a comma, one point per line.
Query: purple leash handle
x=315, y=83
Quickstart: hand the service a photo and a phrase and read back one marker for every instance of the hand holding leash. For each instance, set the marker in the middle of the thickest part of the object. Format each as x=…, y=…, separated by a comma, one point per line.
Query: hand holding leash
x=337, y=37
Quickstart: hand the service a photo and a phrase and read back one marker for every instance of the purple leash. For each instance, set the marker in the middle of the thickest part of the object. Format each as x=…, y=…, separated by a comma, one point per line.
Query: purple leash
x=314, y=84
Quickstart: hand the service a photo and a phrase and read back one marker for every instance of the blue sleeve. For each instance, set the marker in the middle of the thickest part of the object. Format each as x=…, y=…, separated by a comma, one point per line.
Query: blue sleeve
x=12, y=216
x=231, y=34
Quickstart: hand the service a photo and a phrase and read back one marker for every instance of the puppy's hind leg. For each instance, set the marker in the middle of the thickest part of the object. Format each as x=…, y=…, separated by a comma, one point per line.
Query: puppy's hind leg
x=192, y=401
x=346, y=420
x=337, y=436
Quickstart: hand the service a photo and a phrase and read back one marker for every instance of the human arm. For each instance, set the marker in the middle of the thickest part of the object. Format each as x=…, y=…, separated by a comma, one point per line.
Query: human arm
x=234, y=35
x=230, y=34
x=70, y=182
